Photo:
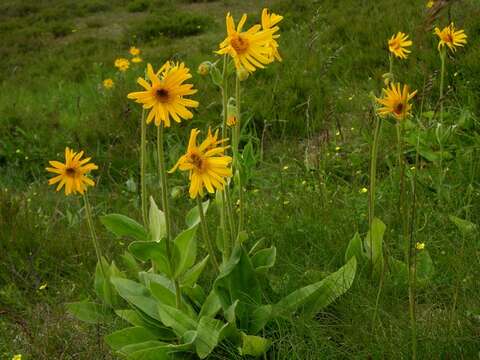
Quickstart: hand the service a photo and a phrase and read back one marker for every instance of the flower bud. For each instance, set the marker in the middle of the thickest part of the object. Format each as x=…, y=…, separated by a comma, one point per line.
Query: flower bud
x=232, y=115
x=242, y=74
x=204, y=68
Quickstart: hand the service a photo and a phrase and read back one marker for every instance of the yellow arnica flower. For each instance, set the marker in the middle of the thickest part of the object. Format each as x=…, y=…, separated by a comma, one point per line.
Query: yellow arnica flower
x=269, y=22
x=451, y=37
x=73, y=173
x=207, y=165
x=108, y=83
x=430, y=4
x=134, y=51
x=165, y=94
x=420, y=246
x=249, y=49
x=398, y=44
x=395, y=101
x=137, y=59
x=122, y=64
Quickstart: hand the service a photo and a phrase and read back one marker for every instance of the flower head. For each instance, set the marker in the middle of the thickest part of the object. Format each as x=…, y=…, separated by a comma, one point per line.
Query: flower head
x=451, y=37
x=206, y=163
x=398, y=44
x=395, y=101
x=250, y=48
x=108, y=83
x=165, y=94
x=204, y=68
x=420, y=246
x=137, y=59
x=269, y=22
x=134, y=51
x=122, y=64
x=73, y=173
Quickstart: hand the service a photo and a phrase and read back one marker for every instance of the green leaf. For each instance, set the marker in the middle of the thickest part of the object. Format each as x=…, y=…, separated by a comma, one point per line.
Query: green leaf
x=209, y=332
x=193, y=216
x=176, y=319
x=162, y=294
x=374, y=244
x=132, y=266
x=211, y=306
x=137, y=295
x=146, y=345
x=465, y=227
x=425, y=268
x=186, y=243
x=254, y=345
x=122, y=225
x=398, y=271
x=354, y=248
x=154, y=251
x=195, y=293
x=238, y=281
x=154, y=353
x=156, y=222
x=191, y=276
x=317, y=296
x=134, y=318
x=261, y=315
x=264, y=259
x=128, y=336
x=88, y=312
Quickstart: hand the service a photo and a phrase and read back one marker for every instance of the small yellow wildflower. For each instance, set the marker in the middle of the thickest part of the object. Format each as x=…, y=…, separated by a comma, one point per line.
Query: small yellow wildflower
x=285, y=168
x=430, y=4
x=17, y=357
x=73, y=173
x=122, y=64
x=137, y=59
x=165, y=94
x=363, y=190
x=134, y=51
x=108, y=83
x=395, y=101
x=420, y=246
x=43, y=286
x=206, y=163
x=337, y=148
x=398, y=44
x=451, y=37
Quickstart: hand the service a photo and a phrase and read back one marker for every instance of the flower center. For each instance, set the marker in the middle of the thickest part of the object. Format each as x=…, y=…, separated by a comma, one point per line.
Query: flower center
x=239, y=44
x=197, y=161
x=398, y=109
x=70, y=172
x=395, y=44
x=162, y=95
x=449, y=38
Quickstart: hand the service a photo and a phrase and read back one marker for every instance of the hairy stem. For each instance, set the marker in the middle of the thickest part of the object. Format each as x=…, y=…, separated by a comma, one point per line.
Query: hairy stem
x=206, y=236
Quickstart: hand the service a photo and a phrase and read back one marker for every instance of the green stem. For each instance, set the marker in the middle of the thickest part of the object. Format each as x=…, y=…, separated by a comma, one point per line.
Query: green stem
x=443, y=54
x=236, y=154
x=143, y=187
x=206, y=236
x=390, y=58
x=373, y=172
x=93, y=235
x=162, y=173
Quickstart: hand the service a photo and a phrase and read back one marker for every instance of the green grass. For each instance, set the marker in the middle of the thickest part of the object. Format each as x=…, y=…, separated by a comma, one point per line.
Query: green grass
x=304, y=196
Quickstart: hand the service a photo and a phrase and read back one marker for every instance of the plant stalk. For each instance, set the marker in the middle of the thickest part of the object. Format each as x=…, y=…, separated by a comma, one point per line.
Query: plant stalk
x=206, y=237
x=162, y=173
x=93, y=235
x=238, y=127
x=143, y=187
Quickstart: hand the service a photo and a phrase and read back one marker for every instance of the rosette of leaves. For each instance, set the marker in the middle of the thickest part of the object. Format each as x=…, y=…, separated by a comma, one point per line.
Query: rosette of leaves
x=230, y=311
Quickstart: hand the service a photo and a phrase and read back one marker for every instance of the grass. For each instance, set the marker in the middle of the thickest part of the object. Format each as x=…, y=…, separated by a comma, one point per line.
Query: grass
x=312, y=114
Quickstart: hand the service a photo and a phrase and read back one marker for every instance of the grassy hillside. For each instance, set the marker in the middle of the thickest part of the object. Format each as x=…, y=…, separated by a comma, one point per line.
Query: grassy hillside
x=311, y=117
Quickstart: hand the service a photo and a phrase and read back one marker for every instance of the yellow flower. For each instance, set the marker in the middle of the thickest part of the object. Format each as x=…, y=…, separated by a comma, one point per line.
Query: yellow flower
x=363, y=190
x=108, y=83
x=207, y=165
x=43, y=286
x=137, y=59
x=17, y=357
x=165, y=94
x=73, y=173
x=249, y=49
x=134, y=51
x=430, y=4
x=269, y=21
x=398, y=44
x=420, y=246
x=451, y=37
x=122, y=64
x=396, y=102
